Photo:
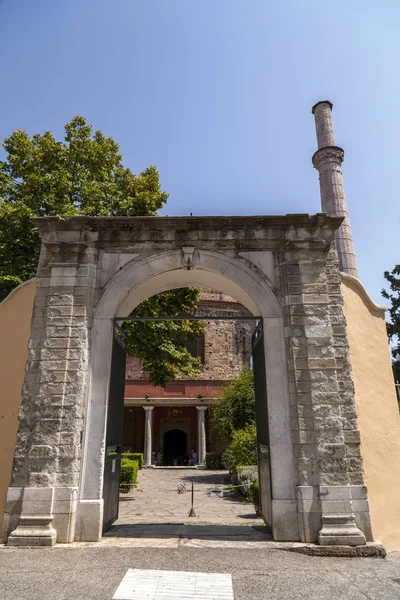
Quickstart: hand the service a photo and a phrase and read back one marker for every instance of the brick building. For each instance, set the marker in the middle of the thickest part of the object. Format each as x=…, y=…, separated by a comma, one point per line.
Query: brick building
x=176, y=419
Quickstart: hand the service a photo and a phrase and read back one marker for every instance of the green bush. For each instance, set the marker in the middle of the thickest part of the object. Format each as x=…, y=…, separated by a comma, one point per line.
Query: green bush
x=243, y=448
x=246, y=476
x=128, y=474
x=214, y=460
x=255, y=495
x=134, y=456
x=236, y=408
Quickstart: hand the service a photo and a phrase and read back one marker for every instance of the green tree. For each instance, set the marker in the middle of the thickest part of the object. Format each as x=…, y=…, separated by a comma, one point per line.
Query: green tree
x=393, y=326
x=236, y=408
x=161, y=345
x=84, y=175
x=396, y=371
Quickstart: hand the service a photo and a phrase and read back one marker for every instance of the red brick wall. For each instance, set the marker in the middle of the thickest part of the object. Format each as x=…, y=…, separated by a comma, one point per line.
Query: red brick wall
x=227, y=343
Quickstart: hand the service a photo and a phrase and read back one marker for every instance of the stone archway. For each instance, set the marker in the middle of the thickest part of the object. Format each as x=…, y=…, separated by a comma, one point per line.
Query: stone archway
x=141, y=278
x=283, y=269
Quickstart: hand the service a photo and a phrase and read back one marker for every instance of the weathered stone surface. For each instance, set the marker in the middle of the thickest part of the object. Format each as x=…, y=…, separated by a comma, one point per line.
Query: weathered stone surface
x=312, y=417
x=33, y=531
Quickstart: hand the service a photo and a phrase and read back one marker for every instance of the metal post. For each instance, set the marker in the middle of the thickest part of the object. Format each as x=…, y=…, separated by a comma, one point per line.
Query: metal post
x=192, y=512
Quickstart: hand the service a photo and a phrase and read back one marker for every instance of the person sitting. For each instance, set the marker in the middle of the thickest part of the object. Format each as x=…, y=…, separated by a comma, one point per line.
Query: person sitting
x=193, y=458
x=159, y=458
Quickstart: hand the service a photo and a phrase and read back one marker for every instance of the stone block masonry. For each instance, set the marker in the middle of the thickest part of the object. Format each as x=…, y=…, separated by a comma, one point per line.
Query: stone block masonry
x=284, y=270
x=48, y=448
x=322, y=396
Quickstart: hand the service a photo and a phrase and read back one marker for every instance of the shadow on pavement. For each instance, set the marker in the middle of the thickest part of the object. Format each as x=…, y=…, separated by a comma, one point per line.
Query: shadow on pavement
x=181, y=530
x=209, y=479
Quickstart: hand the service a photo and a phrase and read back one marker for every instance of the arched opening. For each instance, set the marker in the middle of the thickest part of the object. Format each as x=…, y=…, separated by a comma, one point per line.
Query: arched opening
x=175, y=447
x=94, y=270
x=138, y=280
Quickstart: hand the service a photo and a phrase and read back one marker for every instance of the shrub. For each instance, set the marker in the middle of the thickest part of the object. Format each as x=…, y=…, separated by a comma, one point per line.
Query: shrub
x=214, y=460
x=236, y=408
x=139, y=457
x=243, y=448
x=246, y=476
x=255, y=495
x=128, y=474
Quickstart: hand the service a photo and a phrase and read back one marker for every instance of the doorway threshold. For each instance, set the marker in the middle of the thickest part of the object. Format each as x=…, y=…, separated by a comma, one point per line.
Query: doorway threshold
x=176, y=467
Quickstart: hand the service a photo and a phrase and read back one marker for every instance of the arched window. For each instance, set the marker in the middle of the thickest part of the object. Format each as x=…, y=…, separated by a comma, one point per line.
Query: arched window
x=197, y=348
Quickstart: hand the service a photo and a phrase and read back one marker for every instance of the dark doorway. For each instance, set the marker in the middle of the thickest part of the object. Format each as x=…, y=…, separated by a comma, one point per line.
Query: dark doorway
x=175, y=447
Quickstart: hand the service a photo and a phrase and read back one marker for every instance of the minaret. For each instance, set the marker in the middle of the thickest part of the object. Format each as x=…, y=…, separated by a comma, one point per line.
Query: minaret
x=327, y=160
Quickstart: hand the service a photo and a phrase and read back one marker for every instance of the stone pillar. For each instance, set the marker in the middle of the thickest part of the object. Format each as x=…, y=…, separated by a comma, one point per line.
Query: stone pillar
x=201, y=434
x=42, y=498
x=327, y=160
x=332, y=498
x=148, y=435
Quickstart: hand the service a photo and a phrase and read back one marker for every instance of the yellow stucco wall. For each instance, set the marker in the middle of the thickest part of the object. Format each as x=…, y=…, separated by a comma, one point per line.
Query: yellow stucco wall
x=378, y=414
x=15, y=329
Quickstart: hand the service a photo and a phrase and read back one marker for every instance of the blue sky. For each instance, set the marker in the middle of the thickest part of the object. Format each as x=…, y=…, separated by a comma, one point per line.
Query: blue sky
x=218, y=94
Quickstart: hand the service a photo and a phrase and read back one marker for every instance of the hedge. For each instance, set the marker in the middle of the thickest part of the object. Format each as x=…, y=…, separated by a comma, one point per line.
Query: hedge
x=134, y=456
x=255, y=495
x=214, y=460
x=128, y=474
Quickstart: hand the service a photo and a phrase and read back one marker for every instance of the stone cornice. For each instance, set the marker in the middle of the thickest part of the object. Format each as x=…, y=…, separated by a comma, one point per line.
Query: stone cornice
x=321, y=102
x=156, y=234
x=231, y=223
x=328, y=154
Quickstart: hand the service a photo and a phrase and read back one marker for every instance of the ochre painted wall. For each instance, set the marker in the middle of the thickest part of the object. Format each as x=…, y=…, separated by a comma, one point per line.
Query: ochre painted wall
x=378, y=413
x=15, y=330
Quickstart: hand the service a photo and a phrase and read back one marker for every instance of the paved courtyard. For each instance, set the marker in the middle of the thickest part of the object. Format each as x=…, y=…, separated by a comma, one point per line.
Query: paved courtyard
x=156, y=498
x=154, y=514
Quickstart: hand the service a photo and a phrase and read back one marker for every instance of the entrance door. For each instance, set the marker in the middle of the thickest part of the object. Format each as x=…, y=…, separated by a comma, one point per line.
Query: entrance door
x=260, y=389
x=175, y=446
x=114, y=437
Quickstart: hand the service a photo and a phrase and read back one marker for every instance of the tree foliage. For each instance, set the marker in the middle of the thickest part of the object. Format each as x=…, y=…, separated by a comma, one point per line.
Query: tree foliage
x=393, y=326
x=396, y=371
x=161, y=344
x=84, y=175
x=236, y=408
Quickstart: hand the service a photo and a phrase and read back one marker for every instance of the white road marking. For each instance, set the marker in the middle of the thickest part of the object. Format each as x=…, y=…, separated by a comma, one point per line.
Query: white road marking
x=147, y=584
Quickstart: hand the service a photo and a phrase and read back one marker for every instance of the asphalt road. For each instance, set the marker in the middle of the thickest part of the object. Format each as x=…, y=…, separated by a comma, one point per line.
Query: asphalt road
x=88, y=573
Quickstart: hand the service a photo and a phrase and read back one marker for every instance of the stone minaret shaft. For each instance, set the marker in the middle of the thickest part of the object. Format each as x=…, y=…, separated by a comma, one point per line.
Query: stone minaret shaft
x=327, y=160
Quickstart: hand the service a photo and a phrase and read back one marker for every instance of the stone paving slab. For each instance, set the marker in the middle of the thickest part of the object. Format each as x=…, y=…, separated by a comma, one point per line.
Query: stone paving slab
x=155, y=499
x=174, y=585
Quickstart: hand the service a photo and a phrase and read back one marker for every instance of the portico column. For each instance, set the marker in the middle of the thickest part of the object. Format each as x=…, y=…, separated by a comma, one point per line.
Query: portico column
x=201, y=433
x=148, y=435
